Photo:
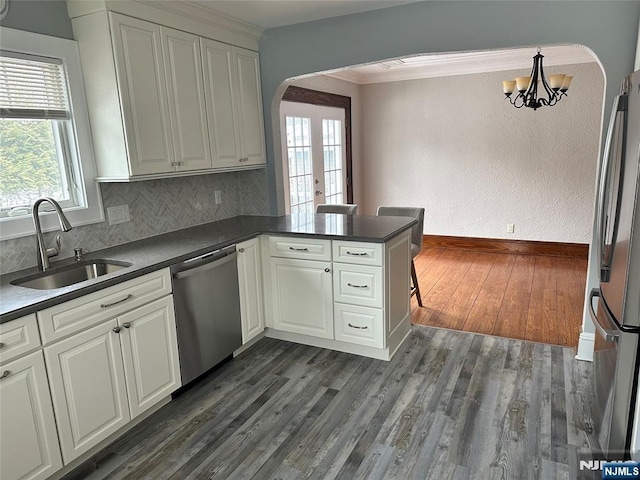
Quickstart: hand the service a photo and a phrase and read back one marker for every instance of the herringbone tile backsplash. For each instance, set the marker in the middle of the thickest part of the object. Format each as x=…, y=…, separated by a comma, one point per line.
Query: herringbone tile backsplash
x=155, y=206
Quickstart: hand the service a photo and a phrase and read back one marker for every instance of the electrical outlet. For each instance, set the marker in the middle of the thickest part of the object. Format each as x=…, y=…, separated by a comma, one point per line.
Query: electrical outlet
x=217, y=194
x=119, y=214
x=510, y=228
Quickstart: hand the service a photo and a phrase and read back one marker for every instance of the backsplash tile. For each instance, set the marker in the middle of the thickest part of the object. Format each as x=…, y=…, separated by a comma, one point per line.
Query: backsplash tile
x=156, y=207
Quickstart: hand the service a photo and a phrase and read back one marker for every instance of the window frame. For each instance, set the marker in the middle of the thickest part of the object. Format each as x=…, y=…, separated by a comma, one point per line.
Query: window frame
x=90, y=209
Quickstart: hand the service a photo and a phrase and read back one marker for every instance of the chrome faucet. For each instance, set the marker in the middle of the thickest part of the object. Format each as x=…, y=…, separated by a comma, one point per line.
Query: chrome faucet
x=42, y=251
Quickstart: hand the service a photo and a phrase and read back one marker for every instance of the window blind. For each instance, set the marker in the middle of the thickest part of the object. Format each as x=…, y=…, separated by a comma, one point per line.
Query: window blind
x=32, y=87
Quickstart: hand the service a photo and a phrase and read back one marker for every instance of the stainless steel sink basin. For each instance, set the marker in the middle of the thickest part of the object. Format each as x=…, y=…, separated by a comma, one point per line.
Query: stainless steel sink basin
x=70, y=274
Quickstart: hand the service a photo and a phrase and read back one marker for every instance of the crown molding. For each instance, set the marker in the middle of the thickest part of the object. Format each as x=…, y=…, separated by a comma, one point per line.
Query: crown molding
x=461, y=63
x=179, y=14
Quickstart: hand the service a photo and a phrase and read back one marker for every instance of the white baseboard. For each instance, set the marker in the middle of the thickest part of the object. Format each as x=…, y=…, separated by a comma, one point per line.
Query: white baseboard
x=585, y=346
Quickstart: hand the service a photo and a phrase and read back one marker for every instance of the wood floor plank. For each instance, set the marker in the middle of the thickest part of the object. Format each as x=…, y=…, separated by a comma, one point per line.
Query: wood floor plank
x=449, y=405
x=571, y=278
x=484, y=313
x=533, y=297
x=511, y=321
x=542, y=312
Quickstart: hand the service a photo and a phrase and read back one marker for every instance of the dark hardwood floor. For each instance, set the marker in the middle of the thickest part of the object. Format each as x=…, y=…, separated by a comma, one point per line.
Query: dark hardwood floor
x=527, y=297
x=450, y=405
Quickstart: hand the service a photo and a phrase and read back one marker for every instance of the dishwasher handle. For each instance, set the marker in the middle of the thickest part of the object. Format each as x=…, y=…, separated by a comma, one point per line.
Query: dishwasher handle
x=204, y=262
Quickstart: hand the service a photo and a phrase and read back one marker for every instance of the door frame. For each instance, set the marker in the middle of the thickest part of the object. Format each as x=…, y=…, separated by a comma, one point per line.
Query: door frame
x=326, y=99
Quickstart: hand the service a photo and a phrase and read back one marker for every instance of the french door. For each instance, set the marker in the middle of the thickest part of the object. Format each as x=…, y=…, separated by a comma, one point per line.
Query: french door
x=313, y=148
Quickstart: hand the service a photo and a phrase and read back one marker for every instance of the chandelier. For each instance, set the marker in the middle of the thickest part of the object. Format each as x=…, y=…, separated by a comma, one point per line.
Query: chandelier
x=527, y=87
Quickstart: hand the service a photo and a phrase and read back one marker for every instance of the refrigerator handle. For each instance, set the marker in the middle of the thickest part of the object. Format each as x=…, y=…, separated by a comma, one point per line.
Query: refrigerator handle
x=610, y=334
x=618, y=105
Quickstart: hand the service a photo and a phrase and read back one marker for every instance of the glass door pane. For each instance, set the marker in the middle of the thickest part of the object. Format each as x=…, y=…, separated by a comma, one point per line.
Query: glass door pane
x=333, y=145
x=299, y=157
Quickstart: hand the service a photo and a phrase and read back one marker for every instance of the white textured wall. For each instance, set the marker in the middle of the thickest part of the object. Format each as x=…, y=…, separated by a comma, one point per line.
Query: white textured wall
x=454, y=146
x=348, y=89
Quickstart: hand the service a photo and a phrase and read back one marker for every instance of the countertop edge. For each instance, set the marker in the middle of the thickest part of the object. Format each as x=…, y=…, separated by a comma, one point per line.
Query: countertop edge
x=101, y=283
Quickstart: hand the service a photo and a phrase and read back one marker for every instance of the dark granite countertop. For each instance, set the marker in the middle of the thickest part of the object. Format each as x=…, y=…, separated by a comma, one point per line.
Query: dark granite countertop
x=161, y=251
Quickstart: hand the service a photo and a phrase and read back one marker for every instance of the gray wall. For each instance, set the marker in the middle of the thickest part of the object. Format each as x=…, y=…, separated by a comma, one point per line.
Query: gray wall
x=48, y=17
x=609, y=28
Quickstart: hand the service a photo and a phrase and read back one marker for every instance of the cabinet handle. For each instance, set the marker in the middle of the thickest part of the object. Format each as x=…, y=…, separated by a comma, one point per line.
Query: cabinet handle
x=327, y=270
x=241, y=250
x=5, y=374
x=126, y=325
x=1, y=344
x=245, y=159
x=107, y=305
x=359, y=328
x=305, y=249
x=357, y=254
x=116, y=329
x=174, y=164
x=357, y=286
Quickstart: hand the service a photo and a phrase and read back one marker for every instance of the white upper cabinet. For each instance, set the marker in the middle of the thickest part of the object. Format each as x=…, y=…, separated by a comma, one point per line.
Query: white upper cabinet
x=165, y=102
x=250, y=106
x=234, y=105
x=143, y=89
x=187, y=111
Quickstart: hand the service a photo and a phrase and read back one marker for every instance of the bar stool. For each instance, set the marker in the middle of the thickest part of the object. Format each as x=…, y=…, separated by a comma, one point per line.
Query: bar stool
x=337, y=208
x=416, y=238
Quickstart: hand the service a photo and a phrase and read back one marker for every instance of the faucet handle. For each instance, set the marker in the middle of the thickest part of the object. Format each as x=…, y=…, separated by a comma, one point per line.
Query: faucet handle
x=54, y=251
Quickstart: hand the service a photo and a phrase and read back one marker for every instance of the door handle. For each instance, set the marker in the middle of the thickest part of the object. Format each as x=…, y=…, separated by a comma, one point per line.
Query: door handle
x=318, y=192
x=609, y=334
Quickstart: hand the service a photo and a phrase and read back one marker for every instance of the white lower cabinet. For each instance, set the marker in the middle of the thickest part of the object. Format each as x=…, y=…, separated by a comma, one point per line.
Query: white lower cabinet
x=29, y=448
x=302, y=296
x=250, y=285
x=150, y=354
x=103, y=377
x=88, y=388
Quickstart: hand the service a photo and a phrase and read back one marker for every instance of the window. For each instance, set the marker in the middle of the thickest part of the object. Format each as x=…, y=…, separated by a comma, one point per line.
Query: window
x=45, y=145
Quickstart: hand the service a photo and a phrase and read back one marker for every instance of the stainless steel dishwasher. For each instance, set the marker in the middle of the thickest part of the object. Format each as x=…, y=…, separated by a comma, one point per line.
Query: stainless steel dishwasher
x=207, y=305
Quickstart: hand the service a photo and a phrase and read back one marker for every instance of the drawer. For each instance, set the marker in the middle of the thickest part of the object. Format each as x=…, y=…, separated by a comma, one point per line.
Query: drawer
x=358, y=285
x=80, y=313
x=18, y=337
x=304, y=248
x=362, y=325
x=358, y=252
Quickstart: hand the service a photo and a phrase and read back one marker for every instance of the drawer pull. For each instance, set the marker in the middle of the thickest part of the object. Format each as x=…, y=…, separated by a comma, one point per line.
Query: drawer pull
x=107, y=305
x=356, y=254
x=5, y=374
x=359, y=328
x=357, y=286
x=305, y=249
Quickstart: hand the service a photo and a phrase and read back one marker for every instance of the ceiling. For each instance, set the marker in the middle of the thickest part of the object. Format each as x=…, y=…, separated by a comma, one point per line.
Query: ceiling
x=277, y=13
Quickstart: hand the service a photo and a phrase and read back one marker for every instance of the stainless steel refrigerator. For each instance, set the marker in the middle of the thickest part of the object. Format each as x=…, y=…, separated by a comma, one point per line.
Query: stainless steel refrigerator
x=617, y=319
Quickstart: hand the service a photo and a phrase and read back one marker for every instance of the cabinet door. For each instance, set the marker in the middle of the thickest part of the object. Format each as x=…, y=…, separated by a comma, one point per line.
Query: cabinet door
x=249, y=97
x=143, y=91
x=219, y=89
x=87, y=388
x=29, y=446
x=150, y=353
x=302, y=296
x=250, y=283
x=183, y=66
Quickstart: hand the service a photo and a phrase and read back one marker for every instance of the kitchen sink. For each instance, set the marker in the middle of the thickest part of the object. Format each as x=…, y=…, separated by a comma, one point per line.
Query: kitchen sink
x=71, y=274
